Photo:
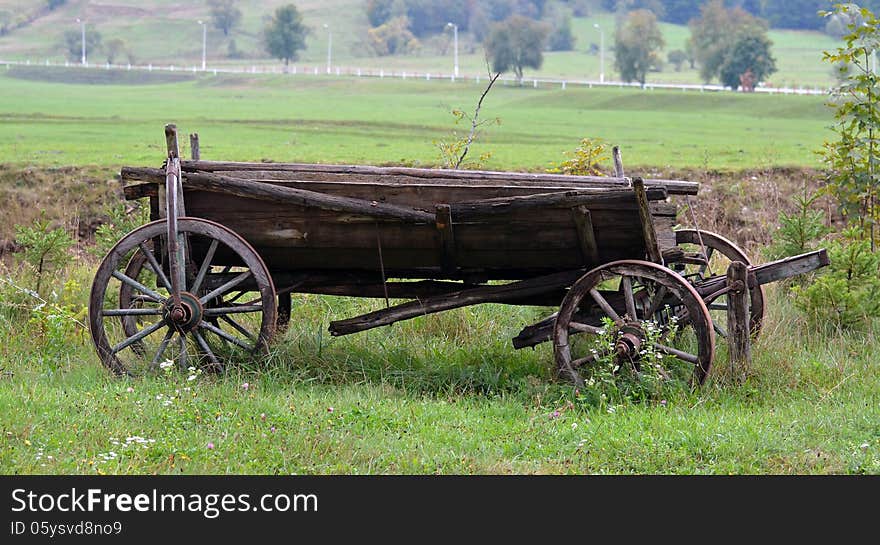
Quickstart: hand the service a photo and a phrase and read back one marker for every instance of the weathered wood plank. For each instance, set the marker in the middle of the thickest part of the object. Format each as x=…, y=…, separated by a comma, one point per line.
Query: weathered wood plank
x=586, y=235
x=195, y=152
x=651, y=245
x=464, y=211
x=302, y=197
x=482, y=294
x=738, y=326
x=771, y=272
x=447, y=237
x=618, y=162
x=674, y=187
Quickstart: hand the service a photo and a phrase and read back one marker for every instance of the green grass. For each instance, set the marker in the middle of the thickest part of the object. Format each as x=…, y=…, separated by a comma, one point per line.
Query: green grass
x=363, y=120
x=144, y=27
x=441, y=394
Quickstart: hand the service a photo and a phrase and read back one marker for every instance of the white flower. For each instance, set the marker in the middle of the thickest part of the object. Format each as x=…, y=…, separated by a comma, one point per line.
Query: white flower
x=191, y=377
x=166, y=364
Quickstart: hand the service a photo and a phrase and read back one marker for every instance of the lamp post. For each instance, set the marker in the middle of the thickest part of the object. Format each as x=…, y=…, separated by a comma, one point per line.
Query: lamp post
x=204, y=45
x=454, y=46
x=83, y=39
x=601, y=52
x=329, y=46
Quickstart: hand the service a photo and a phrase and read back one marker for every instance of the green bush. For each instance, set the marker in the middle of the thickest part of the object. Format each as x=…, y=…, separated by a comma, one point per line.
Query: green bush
x=846, y=294
x=46, y=249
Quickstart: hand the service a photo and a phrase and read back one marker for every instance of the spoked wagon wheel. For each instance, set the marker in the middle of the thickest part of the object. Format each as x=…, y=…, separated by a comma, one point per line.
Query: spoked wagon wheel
x=135, y=323
x=631, y=294
x=720, y=253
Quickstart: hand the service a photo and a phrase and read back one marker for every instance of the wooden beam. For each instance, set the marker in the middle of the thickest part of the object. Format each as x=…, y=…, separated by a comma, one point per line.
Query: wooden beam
x=586, y=235
x=770, y=272
x=302, y=197
x=447, y=238
x=738, y=326
x=466, y=211
x=650, y=235
x=674, y=187
x=482, y=294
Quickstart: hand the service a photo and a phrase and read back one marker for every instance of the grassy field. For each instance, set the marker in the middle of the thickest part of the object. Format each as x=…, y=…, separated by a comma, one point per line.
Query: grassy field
x=440, y=394
x=368, y=120
x=144, y=27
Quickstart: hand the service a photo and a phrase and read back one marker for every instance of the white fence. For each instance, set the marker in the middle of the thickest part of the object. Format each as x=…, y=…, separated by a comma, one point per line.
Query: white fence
x=315, y=70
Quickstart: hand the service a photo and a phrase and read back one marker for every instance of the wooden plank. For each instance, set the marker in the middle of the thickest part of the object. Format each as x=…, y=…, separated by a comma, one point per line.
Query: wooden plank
x=771, y=272
x=651, y=245
x=586, y=235
x=447, y=238
x=463, y=211
x=739, y=328
x=674, y=187
x=302, y=197
x=482, y=294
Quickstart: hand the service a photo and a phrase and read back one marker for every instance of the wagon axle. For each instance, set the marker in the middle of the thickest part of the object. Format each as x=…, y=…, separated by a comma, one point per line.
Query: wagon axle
x=185, y=316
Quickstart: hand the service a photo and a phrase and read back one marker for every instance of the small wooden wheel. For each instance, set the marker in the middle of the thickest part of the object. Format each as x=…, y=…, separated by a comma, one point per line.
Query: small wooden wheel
x=631, y=294
x=140, y=328
x=720, y=253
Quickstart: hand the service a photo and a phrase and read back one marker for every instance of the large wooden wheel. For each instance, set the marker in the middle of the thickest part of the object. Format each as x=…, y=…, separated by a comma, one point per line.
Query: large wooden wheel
x=136, y=323
x=631, y=294
x=720, y=253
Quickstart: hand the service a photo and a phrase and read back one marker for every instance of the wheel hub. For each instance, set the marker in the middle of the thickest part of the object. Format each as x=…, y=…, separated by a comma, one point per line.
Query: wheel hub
x=185, y=316
x=629, y=341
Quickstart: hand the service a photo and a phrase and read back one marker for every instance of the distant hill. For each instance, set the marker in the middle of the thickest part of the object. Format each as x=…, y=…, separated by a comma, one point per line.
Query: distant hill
x=168, y=32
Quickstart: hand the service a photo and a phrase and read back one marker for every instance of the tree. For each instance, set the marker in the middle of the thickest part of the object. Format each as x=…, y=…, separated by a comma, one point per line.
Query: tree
x=562, y=38
x=677, y=58
x=748, y=61
x=393, y=37
x=73, y=43
x=714, y=32
x=516, y=43
x=851, y=160
x=114, y=49
x=637, y=45
x=225, y=15
x=285, y=34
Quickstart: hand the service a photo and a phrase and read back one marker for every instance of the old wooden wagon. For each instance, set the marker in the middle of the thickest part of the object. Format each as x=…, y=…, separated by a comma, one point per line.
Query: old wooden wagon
x=213, y=274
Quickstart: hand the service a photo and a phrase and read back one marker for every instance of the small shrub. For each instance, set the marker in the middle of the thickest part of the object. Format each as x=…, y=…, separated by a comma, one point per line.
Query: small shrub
x=846, y=294
x=45, y=249
x=586, y=160
x=800, y=231
x=122, y=218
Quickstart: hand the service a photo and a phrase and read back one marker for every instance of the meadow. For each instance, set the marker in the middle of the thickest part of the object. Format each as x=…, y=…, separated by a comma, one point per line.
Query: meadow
x=440, y=394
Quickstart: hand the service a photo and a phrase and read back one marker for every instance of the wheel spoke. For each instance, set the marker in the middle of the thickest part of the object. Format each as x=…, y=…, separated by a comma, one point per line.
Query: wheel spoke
x=138, y=336
x=162, y=346
x=226, y=287
x=154, y=265
x=206, y=264
x=182, y=361
x=131, y=312
x=709, y=252
x=717, y=307
x=240, y=328
x=626, y=281
x=207, y=350
x=680, y=354
x=238, y=296
x=656, y=302
x=138, y=286
x=584, y=328
x=224, y=335
x=238, y=309
x=600, y=300
x=719, y=330
x=580, y=362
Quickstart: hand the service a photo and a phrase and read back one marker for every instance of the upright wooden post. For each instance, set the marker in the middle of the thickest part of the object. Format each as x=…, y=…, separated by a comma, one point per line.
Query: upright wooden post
x=194, y=146
x=618, y=162
x=650, y=235
x=739, y=328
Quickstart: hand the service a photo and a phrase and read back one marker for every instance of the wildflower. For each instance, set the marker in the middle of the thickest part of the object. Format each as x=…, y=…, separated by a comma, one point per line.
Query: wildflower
x=329, y=409
x=129, y=389
x=663, y=402
x=191, y=378
x=210, y=445
x=555, y=414
x=263, y=417
x=574, y=425
x=245, y=386
x=166, y=364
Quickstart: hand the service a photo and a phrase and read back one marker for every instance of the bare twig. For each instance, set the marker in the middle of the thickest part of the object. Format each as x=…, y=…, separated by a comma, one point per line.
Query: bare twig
x=474, y=123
